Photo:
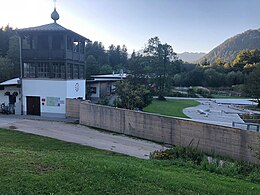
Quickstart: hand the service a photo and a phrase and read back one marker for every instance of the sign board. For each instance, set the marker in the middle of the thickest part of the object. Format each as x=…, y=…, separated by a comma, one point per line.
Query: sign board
x=53, y=101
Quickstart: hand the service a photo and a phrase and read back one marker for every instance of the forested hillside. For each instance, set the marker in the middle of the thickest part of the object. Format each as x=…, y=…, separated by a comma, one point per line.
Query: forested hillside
x=228, y=50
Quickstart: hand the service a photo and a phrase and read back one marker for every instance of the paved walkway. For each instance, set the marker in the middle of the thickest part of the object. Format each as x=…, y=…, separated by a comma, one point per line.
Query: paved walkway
x=82, y=135
x=218, y=111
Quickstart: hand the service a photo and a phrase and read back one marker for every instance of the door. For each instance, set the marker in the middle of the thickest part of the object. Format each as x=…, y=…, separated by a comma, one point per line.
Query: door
x=33, y=105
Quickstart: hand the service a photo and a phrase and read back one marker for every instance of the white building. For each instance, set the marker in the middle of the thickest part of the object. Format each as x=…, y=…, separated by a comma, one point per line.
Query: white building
x=53, y=68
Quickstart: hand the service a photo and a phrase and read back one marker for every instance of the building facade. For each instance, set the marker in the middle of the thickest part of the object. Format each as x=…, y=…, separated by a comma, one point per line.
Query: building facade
x=52, y=68
x=103, y=86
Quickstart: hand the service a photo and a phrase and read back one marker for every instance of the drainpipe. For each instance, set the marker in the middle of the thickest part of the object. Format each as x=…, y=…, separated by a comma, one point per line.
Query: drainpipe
x=21, y=74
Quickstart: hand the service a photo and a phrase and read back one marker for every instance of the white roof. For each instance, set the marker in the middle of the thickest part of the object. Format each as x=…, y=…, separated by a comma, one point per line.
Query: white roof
x=111, y=76
x=10, y=82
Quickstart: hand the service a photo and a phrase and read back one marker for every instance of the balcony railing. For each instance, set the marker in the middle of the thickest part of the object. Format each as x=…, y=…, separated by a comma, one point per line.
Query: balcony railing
x=53, y=54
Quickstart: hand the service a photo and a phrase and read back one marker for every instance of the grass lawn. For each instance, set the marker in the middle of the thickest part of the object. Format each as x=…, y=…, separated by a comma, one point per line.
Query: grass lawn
x=253, y=107
x=170, y=107
x=37, y=165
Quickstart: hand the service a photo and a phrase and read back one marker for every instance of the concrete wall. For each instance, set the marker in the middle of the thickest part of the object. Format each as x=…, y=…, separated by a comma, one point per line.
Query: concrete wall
x=72, y=108
x=210, y=138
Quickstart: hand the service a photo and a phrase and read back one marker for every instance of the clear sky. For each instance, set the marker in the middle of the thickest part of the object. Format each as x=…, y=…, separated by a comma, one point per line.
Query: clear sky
x=187, y=25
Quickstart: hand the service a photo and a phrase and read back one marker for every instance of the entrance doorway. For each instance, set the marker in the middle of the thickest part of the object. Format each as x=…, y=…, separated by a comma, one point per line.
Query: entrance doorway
x=33, y=105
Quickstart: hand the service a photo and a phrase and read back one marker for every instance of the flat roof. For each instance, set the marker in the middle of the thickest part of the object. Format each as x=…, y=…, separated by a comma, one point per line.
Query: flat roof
x=14, y=81
x=110, y=76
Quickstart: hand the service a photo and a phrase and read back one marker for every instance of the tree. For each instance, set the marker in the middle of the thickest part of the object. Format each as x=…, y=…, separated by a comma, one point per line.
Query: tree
x=13, y=54
x=5, y=34
x=213, y=78
x=91, y=66
x=205, y=62
x=252, y=85
x=246, y=59
x=138, y=69
x=105, y=69
x=234, y=78
x=132, y=96
x=6, y=69
x=194, y=77
x=98, y=52
x=160, y=56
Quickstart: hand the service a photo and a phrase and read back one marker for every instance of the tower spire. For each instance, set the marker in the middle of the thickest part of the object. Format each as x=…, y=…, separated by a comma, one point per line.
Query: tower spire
x=55, y=16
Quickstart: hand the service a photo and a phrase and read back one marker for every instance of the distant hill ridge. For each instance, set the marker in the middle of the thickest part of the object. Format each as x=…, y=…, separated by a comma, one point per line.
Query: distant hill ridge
x=190, y=57
x=228, y=50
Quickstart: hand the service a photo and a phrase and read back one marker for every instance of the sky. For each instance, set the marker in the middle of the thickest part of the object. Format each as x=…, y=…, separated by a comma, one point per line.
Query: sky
x=186, y=25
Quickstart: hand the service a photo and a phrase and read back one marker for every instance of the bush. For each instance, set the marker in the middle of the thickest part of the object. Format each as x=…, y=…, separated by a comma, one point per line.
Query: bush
x=178, y=152
x=203, y=91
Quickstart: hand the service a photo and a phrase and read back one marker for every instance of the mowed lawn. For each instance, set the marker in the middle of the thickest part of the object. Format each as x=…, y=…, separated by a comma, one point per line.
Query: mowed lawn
x=37, y=165
x=170, y=107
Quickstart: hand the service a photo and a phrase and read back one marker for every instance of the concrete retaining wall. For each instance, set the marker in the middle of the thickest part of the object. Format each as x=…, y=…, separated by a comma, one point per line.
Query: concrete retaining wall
x=72, y=108
x=210, y=138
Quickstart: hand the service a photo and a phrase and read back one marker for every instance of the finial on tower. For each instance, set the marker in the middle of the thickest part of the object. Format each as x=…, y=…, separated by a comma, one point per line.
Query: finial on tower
x=55, y=16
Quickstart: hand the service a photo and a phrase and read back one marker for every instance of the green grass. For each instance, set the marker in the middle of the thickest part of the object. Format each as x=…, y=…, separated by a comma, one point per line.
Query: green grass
x=252, y=107
x=37, y=165
x=170, y=107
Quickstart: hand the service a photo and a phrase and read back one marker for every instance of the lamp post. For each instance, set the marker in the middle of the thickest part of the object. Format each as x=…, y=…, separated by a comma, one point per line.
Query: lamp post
x=21, y=73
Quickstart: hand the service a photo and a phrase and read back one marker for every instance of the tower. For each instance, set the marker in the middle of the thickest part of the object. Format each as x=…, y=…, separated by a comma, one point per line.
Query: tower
x=53, y=67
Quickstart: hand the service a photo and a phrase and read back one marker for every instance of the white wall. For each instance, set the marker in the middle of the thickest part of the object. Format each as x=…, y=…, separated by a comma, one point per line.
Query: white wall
x=61, y=89
x=11, y=89
x=76, y=88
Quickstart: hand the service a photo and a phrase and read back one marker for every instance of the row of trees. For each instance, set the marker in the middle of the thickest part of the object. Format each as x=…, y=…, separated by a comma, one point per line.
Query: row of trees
x=9, y=53
x=100, y=61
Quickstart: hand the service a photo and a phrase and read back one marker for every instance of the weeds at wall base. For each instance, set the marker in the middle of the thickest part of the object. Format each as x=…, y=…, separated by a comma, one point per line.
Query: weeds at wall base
x=191, y=157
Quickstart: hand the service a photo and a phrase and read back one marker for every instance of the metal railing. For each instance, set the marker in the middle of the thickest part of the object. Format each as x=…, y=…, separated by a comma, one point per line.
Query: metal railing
x=248, y=125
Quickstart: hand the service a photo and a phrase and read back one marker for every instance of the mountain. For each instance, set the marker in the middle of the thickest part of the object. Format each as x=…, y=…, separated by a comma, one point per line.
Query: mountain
x=228, y=50
x=190, y=56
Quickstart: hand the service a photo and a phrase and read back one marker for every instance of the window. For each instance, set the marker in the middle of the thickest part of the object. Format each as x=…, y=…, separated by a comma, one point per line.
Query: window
x=29, y=70
x=81, y=71
x=69, y=71
x=93, y=90
x=108, y=88
x=75, y=71
x=27, y=42
x=43, y=70
x=58, y=70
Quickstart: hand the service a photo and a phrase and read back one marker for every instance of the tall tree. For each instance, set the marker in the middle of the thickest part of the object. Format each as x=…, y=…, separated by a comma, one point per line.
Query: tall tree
x=6, y=69
x=252, y=85
x=138, y=68
x=91, y=66
x=160, y=56
x=13, y=54
x=5, y=34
